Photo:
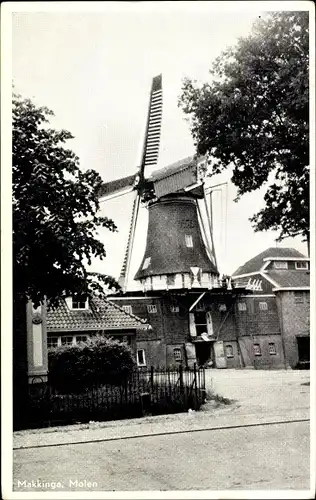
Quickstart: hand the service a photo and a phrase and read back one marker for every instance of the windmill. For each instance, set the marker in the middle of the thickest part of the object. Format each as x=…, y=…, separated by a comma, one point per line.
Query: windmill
x=180, y=250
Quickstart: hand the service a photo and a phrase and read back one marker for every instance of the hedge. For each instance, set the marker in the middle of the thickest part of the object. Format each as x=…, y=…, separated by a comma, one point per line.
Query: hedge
x=98, y=360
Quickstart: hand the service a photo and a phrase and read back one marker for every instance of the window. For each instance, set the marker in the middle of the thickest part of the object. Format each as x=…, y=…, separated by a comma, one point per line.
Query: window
x=52, y=342
x=141, y=360
x=200, y=306
x=242, y=306
x=280, y=264
x=257, y=349
x=171, y=279
x=263, y=306
x=222, y=307
x=301, y=265
x=177, y=354
x=146, y=263
x=189, y=241
x=127, y=309
x=229, y=351
x=81, y=338
x=152, y=309
x=127, y=339
x=174, y=309
x=67, y=340
x=200, y=322
x=272, y=348
x=298, y=297
x=79, y=303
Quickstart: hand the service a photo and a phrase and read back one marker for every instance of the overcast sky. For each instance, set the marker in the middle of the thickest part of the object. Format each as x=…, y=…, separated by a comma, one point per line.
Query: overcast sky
x=94, y=70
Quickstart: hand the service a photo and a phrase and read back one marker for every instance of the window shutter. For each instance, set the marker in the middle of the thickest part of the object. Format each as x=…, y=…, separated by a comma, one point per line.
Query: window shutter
x=209, y=323
x=192, y=325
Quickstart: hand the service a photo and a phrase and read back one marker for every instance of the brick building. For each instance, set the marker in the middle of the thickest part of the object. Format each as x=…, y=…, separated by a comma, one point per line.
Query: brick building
x=261, y=321
x=73, y=321
x=281, y=277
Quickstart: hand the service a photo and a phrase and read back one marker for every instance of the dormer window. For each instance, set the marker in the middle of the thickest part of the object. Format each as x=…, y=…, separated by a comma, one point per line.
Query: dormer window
x=146, y=262
x=301, y=265
x=77, y=303
x=189, y=240
x=280, y=264
x=128, y=309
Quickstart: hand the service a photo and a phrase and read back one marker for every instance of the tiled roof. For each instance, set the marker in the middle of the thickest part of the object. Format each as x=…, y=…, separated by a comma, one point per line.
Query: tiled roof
x=288, y=278
x=256, y=262
x=103, y=314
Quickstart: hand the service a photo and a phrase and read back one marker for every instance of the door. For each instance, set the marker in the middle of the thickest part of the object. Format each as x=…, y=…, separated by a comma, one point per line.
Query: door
x=203, y=352
x=220, y=358
x=303, y=345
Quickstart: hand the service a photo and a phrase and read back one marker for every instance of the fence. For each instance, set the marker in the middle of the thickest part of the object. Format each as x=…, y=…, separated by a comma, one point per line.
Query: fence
x=139, y=393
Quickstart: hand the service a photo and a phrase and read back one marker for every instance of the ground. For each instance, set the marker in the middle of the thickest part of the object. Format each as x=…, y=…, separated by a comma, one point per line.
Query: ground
x=259, y=441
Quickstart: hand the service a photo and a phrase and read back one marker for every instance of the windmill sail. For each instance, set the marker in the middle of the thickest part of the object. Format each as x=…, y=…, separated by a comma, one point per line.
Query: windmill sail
x=153, y=128
x=149, y=158
x=150, y=149
x=118, y=187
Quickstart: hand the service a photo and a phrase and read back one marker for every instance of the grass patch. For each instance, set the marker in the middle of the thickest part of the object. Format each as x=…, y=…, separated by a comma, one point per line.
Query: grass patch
x=216, y=399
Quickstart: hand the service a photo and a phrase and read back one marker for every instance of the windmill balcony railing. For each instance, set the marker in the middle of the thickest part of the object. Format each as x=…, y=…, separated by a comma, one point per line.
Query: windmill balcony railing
x=180, y=281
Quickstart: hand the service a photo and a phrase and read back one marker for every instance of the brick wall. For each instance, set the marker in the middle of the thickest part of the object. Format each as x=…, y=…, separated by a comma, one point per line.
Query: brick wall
x=254, y=321
x=224, y=323
x=265, y=359
x=294, y=318
x=140, y=309
x=170, y=329
x=232, y=352
x=176, y=323
x=155, y=352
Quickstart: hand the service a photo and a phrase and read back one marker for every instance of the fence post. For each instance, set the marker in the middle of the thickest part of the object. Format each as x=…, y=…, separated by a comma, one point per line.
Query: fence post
x=125, y=387
x=181, y=383
x=195, y=386
x=152, y=378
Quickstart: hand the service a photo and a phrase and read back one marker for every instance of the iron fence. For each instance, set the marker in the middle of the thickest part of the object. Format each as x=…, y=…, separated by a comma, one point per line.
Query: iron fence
x=139, y=393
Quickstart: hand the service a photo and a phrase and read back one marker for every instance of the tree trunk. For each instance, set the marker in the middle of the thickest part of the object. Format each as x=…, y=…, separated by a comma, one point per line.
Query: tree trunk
x=20, y=379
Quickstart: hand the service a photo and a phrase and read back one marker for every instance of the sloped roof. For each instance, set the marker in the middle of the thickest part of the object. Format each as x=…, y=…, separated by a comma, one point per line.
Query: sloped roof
x=256, y=262
x=288, y=278
x=103, y=314
x=179, y=165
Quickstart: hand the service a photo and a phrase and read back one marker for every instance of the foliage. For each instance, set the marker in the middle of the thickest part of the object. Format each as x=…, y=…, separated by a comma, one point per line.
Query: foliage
x=254, y=117
x=55, y=208
x=98, y=360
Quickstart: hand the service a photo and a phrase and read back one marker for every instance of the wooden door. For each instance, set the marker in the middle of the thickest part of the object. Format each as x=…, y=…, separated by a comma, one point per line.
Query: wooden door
x=220, y=358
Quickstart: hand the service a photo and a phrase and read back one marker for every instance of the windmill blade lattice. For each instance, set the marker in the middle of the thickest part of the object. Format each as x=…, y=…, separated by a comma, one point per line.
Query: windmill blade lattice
x=149, y=158
x=153, y=128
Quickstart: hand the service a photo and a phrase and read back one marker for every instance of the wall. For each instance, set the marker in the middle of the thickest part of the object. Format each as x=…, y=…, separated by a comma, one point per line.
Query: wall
x=170, y=330
x=265, y=360
x=139, y=308
x=294, y=318
x=235, y=361
x=223, y=321
x=241, y=329
x=155, y=352
x=254, y=321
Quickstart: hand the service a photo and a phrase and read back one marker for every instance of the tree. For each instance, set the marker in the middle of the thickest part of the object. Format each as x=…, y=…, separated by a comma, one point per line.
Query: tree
x=253, y=116
x=55, y=207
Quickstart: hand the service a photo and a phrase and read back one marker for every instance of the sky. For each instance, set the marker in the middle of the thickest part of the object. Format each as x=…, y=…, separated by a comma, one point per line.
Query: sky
x=94, y=68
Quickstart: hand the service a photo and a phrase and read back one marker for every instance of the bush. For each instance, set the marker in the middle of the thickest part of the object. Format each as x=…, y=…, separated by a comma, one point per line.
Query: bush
x=99, y=360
